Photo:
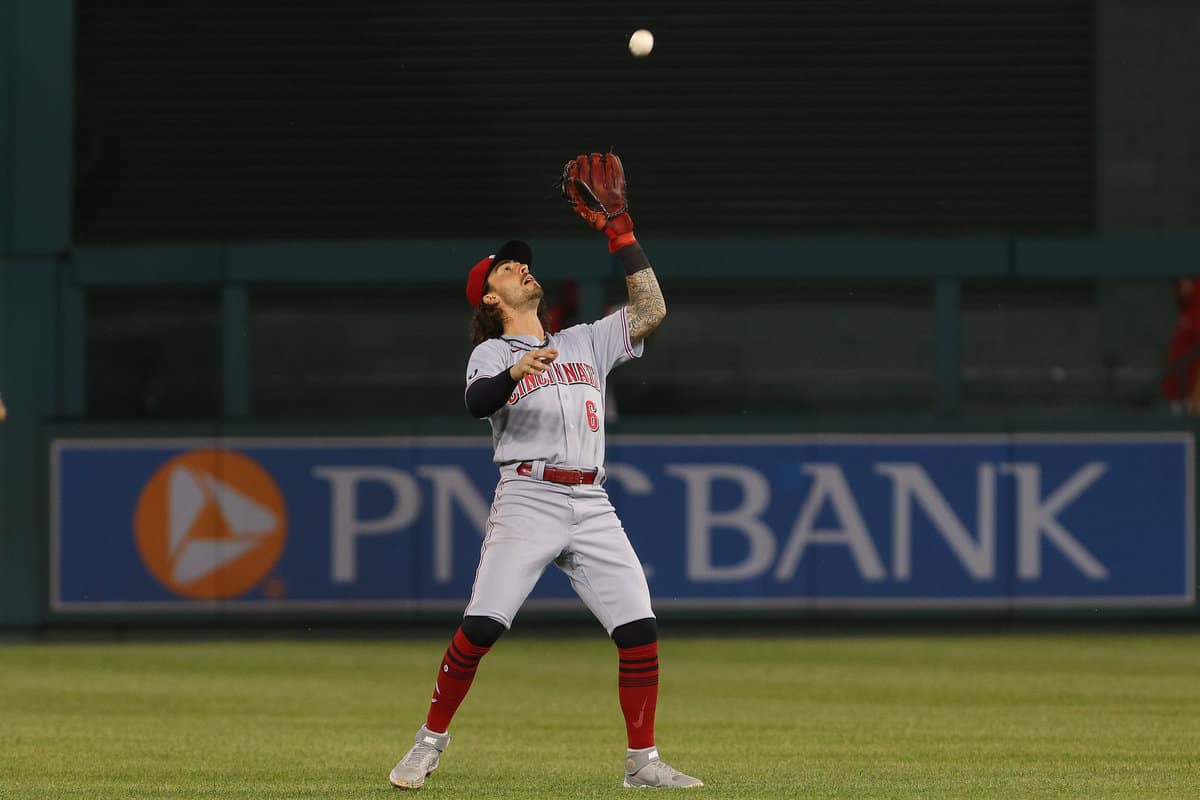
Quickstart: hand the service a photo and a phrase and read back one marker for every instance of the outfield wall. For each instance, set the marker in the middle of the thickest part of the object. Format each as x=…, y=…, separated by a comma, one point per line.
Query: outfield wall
x=45, y=373
x=184, y=526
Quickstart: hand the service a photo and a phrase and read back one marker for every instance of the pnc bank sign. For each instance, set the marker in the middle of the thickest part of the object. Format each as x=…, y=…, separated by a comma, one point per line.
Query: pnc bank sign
x=1098, y=520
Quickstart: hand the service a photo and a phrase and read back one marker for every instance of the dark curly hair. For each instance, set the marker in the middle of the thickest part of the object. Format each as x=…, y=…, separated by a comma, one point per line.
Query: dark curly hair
x=488, y=321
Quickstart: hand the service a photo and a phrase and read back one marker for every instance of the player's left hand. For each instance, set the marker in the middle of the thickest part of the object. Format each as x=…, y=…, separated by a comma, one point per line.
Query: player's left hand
x=594, y=188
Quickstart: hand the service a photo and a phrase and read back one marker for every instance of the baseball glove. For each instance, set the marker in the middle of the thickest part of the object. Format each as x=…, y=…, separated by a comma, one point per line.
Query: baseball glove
x=594, y=188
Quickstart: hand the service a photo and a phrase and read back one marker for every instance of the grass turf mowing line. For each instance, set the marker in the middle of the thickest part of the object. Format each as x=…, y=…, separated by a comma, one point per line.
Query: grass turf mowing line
x=1038, y=716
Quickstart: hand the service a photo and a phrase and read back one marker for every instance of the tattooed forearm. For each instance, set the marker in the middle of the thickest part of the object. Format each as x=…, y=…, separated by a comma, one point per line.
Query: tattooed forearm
x=646, y=309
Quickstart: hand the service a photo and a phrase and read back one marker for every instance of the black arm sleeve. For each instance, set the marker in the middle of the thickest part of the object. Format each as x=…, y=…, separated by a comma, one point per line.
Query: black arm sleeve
x=486, y=395
x=633, y=258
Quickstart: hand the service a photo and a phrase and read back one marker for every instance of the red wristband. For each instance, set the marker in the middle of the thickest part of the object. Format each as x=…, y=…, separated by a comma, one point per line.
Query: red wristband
x=615, y=243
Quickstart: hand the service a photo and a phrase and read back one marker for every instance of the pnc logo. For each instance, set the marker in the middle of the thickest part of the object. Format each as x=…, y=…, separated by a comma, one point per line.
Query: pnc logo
x=210, y=524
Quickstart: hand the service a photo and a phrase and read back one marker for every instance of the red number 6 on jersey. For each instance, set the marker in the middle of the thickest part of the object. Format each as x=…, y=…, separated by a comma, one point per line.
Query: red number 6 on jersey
x=593, y=420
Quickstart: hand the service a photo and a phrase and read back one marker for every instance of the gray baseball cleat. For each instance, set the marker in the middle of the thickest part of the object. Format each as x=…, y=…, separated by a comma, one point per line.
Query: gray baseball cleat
x=421, y=760
x=644, y=770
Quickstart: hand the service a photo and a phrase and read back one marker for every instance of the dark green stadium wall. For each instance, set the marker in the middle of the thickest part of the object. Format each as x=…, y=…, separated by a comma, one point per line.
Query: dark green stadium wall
x=1148, y=120
x=35, y=232
x=408, y=124
x=367, y=119
x=269, y=120
x=53, y=303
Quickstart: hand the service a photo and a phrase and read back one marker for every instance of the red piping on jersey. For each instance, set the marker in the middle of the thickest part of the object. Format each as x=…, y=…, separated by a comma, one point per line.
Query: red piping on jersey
x=628, y=341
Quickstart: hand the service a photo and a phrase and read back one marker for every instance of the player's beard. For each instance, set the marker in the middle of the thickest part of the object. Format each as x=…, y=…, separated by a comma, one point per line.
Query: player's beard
x=531, y=295
x=523, y=298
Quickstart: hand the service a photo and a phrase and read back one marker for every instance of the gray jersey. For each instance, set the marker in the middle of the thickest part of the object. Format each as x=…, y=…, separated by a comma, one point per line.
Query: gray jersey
x=558, y=416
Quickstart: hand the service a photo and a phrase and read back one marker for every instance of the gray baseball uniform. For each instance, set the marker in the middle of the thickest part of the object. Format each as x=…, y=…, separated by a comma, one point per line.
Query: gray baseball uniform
x=556, y=420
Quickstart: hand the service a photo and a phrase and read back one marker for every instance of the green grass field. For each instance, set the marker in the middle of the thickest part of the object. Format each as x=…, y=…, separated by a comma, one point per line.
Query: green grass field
x=1030, y=716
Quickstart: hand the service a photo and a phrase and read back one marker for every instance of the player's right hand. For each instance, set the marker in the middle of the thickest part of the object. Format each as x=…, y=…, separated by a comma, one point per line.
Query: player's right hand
x=534, y=362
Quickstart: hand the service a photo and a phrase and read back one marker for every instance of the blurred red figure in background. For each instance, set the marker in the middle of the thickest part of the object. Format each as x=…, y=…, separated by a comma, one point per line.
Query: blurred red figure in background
x=1180, y=383
x=565, y=312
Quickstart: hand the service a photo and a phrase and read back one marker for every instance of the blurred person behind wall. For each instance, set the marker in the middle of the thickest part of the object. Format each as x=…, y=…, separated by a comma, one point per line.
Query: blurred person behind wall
x=1181, y=383
x=564, y=314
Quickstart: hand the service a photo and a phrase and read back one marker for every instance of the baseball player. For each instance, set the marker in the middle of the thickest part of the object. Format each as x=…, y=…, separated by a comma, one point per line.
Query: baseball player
x=543, y=394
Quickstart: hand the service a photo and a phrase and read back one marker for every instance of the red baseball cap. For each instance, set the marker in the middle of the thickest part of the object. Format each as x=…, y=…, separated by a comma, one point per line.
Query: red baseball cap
x=514, y=250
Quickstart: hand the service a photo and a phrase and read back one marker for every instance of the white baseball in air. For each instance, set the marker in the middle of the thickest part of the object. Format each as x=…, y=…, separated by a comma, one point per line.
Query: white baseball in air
x=641, y=42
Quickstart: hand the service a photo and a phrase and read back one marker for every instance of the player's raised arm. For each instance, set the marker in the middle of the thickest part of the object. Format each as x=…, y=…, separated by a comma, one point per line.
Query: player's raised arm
x=594, y=186
x=647, y=308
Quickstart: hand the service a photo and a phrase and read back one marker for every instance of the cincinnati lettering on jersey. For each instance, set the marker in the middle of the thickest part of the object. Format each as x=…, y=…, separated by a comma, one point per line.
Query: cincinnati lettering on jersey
x=566, y=374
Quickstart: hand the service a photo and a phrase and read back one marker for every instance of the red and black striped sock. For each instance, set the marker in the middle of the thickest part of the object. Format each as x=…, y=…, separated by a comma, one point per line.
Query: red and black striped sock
x=637, y=684
x=453, y=680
